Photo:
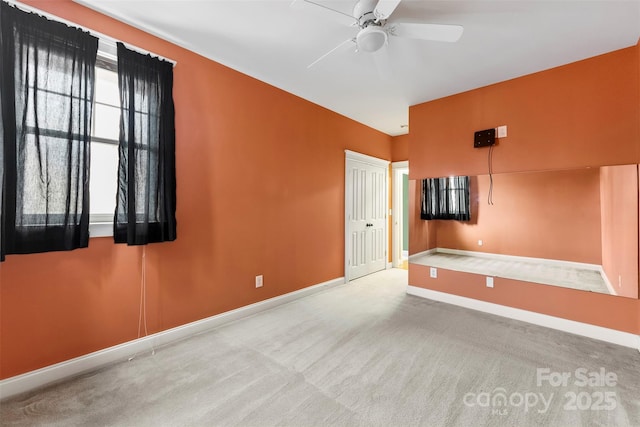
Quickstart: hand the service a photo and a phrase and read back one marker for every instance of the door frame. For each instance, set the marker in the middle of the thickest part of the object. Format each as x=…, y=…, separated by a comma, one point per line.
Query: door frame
x=397, y=170
x=351, y=156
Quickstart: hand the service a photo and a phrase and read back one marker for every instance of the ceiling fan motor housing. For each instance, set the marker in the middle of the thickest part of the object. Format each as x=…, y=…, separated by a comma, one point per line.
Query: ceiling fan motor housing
x=363, y=12
x=371, y=36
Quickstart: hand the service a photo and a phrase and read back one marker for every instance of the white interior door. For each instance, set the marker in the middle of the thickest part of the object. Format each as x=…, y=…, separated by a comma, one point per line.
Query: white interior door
x=366, y=215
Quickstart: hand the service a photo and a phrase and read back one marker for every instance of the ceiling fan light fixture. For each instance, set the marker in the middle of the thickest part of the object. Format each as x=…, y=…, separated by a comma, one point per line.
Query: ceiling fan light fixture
x=371, y=38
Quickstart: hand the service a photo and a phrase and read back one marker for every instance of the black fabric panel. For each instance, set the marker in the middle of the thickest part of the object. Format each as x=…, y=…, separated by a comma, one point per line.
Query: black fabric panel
x=47, y=86
x=146, y=199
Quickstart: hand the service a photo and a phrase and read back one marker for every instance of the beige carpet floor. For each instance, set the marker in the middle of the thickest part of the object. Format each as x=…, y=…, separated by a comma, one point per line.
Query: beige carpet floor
x=362, y=354
x=528, y=271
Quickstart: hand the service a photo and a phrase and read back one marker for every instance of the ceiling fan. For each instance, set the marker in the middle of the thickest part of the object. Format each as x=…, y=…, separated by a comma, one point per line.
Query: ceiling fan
x=376, y=25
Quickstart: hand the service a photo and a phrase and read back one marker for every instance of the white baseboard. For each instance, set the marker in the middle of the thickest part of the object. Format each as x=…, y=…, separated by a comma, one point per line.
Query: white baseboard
x=79, y=365
x=555, y=262
x=389, y=266
x=613, y=336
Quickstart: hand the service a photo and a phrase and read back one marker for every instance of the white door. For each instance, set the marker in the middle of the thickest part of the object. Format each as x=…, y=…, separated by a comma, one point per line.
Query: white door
x=366, y=216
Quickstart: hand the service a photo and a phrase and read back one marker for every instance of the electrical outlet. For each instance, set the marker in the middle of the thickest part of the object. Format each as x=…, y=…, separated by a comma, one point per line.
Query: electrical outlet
x=480, y=243
x=259, y=281
x=433, y=273
x=489, y=282
x=502, y=131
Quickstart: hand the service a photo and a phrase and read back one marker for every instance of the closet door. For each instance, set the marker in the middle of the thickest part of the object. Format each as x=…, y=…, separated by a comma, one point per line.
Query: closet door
x=366, y=218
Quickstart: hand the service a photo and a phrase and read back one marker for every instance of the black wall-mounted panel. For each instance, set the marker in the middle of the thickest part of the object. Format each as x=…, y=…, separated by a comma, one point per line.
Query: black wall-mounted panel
x=484, y=138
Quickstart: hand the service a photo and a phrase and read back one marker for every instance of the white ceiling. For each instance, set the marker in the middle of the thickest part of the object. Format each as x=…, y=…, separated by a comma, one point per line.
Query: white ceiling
x=274, y=42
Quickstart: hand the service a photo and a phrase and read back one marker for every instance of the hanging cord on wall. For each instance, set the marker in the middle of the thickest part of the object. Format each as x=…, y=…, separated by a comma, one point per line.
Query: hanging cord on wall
x=490, y=161
x=142, y=312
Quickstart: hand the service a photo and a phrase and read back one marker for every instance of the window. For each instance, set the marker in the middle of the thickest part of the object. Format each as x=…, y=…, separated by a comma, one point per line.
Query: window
x=103, y=181
x=61, y=116
x=46, y=135
x=445, y=198
x=48, y=83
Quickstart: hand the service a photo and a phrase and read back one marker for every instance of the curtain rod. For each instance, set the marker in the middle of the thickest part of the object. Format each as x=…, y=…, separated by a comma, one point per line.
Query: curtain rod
x=103, y=38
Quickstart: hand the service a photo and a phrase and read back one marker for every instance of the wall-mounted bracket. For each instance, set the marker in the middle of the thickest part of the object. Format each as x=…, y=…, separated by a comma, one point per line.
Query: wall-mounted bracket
x=484, y=138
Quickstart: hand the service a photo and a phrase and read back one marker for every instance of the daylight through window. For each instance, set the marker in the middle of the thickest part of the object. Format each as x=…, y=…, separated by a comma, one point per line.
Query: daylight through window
x=104, y=145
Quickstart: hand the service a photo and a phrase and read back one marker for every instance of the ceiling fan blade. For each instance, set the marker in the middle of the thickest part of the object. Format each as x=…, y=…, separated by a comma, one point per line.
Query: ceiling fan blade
x=435, y=32
x=345, y=17
x=330, y=52
x=385, y=8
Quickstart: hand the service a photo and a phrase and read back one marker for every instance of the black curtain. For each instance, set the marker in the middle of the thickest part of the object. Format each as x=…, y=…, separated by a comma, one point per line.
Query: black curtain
x=445, y=198
x=47, y=87
x=146, y=201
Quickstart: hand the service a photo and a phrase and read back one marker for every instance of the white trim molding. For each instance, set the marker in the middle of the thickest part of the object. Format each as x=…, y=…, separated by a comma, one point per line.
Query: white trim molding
x=397, y=209
x=613, y=336
x=400, y=165
x=100, y=229
x=359, y=157
x=119, y=353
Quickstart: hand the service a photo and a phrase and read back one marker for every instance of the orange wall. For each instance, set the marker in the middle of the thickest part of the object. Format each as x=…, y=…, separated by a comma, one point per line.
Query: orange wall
x=400, y=148
x=553, y=215
x=588, y=307
x=260, y=176
x=619, y=202
x=582, y=114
